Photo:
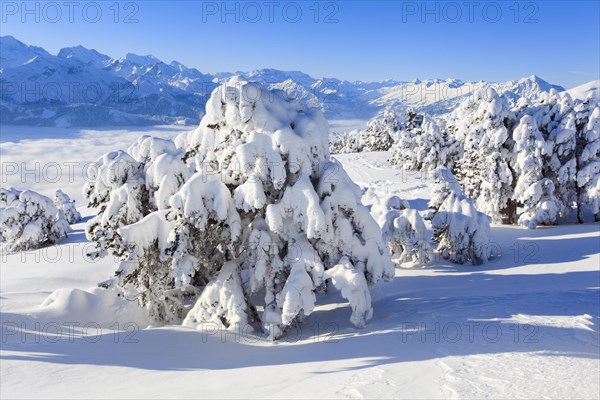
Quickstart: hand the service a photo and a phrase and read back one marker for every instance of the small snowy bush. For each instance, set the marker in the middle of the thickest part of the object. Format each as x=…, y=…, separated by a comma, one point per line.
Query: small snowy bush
x=347, y=142
x=423, y=145
x=381, y=132
x=459, y=230
x=403, y=229
x=380, y=135
x=63, y=202
x=29, y=220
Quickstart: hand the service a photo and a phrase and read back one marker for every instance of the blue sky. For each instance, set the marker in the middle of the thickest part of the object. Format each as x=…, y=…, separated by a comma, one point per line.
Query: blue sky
x=353, y=40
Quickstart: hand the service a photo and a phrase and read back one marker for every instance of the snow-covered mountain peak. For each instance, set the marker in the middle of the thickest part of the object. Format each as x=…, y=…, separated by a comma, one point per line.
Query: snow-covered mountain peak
x=83, y=54
x=15, y=53
x=156, y=91
x=137, y=60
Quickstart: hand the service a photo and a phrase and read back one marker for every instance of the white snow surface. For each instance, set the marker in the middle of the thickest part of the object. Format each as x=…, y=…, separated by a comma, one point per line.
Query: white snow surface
x=583, y=92
x=523, y=325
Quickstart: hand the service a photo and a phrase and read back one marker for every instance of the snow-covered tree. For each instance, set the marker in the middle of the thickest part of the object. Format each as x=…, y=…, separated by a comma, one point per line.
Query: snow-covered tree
x=403, y=229
x=266, y=214
x=29, y=220
x=63, y=202
x=555, y=119
x=347, y=142
x=561, y=168
x=381, y=132
x=423, y=145
x=405, y=145
x=588, y=158
x=533, y=190
x=483, y=125
x=459, y=230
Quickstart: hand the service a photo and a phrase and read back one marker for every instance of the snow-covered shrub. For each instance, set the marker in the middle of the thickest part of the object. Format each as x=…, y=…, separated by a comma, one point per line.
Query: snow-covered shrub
x=444, y=186
x=381, y=132
x=264, y=215
x=380, y=135
x=63, y=202
x=459, y=230
x=403, y=229
x=30, y=220
x=346, y=142
x=423, y=145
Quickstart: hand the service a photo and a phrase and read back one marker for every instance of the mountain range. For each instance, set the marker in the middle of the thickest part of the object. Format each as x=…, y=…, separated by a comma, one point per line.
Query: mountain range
x=82, y=87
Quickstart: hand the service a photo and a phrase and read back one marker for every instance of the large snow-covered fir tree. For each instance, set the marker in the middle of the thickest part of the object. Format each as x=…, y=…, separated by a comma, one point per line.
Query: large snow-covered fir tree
x=264, y=220
x=588, y=158
x=533, y=190
x=483, y=124
x=555, y=119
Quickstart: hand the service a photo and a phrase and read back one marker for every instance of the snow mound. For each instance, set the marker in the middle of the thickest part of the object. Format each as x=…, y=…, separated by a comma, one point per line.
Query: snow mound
x=103, y=308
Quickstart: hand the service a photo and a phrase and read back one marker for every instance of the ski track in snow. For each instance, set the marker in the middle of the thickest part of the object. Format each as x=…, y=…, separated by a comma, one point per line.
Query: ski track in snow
x=541, y=314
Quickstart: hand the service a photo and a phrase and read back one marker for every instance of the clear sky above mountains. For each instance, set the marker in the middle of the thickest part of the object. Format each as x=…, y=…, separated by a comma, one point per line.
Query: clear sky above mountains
x=351, y=40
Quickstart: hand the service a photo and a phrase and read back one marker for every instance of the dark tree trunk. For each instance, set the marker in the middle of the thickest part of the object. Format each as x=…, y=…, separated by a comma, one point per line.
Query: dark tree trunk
x=579, y=145
x=509, y=212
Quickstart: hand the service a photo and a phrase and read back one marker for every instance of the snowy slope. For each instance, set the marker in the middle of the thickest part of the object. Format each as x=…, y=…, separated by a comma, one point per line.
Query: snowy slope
x=523, y=326
x=81, y=87
x=586, y=90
